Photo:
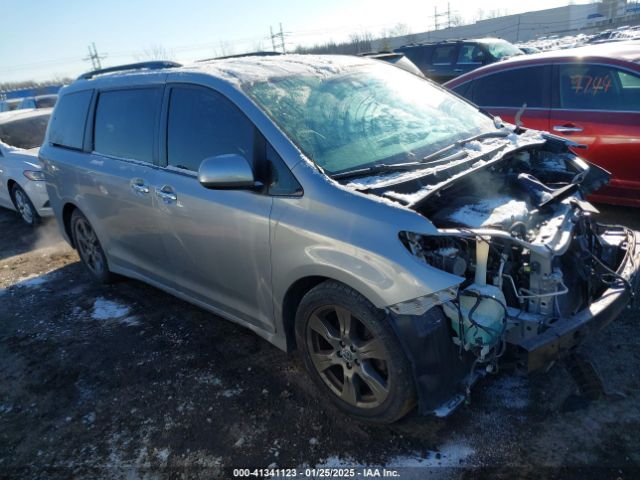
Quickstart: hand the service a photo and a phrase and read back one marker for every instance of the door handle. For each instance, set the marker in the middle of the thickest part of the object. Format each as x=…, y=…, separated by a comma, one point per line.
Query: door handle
x=457, y=69
x=138, y=186
x=569, y=128
x=166, y=194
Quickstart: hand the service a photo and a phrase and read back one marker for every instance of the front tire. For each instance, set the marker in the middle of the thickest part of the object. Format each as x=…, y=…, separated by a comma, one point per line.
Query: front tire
x=353, y=355
x=89, y=248
x=24, y=206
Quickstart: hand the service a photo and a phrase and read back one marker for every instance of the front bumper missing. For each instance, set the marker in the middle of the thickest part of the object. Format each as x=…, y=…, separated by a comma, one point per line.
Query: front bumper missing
x=562, y=336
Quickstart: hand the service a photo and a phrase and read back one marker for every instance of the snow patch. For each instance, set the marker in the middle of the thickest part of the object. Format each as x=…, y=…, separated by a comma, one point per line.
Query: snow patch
x=231, y=392
x=490, y=211
x=209, y=379
x=451, y=454
x=104, y=309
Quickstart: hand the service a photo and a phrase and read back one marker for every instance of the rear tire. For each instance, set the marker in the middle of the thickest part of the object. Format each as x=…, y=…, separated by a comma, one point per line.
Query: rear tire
x=24, y=206
x=353, y=355
x=89, y=248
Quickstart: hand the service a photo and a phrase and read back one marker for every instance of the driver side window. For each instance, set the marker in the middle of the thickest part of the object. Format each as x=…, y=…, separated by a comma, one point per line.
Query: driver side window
x=202, y=123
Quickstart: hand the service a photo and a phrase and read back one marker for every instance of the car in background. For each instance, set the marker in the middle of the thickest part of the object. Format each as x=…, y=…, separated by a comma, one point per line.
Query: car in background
x=9, y=105
x=527, y=50
x=22, y=186
x=590, y=95
x=445, y=60
x=39, y=101
x=400, y=60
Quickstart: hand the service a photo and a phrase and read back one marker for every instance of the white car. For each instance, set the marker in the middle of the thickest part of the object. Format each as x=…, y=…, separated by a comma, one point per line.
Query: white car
x=22, y=186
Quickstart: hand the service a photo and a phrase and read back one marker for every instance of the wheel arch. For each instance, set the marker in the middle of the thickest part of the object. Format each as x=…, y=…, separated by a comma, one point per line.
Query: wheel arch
x=67, y=211
x=293, y=297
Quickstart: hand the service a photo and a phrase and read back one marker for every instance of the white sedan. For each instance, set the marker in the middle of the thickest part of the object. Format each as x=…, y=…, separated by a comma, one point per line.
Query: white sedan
x=22, y=186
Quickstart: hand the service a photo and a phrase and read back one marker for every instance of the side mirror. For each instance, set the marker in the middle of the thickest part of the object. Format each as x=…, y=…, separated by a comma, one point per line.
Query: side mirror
x=226, y=171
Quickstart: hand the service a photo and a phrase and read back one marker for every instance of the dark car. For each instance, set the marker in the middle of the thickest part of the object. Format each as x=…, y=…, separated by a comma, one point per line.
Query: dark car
x=589, y=94
x=444, y=61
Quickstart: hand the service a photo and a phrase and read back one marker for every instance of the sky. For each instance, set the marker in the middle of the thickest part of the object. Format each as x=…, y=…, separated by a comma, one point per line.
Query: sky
x=41, y=40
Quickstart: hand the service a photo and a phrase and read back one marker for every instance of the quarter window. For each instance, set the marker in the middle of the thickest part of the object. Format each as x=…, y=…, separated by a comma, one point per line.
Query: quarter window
x=598, y=87
x=444, y=55
x=471, y=54
x=202, y=124
x=512, y=88
x=125, y=123
x=69, y=118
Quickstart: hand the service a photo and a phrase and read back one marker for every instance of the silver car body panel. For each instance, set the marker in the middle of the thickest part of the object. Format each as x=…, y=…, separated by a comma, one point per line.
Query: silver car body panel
x=237, y=253
x=13, y=162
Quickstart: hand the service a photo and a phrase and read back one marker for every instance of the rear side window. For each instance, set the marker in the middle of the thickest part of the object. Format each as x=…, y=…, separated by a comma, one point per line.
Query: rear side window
x=471, y=54
x=598, y=87
x=203, y=123
x=444, y=55
x=69, y=119
x=126, y=122
x=512, y=88
x=418, y=55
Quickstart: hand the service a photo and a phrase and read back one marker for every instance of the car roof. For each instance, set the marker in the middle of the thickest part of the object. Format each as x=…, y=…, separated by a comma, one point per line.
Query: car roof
x=238, y=70
x=7, y=117
x=453, y=40
x=626, y=51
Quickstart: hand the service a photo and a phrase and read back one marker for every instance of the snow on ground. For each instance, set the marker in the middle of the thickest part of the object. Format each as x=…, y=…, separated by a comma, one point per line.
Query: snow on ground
x=104, y=309
x=413, y=465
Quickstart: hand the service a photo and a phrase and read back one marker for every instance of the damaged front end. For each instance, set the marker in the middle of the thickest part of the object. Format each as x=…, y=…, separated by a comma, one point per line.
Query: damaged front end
x=537, y=271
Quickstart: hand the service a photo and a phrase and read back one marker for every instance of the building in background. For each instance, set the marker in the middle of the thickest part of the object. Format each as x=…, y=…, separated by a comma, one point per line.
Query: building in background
x=570, y=19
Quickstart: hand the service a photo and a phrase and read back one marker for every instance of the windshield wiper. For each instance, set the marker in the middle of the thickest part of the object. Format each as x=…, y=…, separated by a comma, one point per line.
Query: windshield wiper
x=379, y=168
x=460, y=143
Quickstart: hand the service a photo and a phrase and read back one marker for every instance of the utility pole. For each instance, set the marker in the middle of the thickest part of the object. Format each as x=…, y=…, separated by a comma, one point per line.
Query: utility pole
x=273, y=37
x=282, y=39
x=94, y=57
x=437, y=15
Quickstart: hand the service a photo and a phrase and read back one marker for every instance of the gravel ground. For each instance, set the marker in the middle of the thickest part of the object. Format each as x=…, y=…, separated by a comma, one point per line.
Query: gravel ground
x=123, y=381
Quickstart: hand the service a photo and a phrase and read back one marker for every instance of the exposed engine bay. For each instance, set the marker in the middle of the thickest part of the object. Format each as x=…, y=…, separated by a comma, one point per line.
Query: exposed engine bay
x=514, y=224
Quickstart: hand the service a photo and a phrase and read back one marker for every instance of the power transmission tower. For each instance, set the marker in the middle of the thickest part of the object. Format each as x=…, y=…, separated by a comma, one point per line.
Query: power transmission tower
x=94, y=57
x=273, y=38
x=279, y=35
x=437, y=15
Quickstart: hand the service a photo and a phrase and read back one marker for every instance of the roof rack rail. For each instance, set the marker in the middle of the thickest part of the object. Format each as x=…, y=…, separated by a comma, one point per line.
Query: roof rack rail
x=267, y=53
x=155, y=65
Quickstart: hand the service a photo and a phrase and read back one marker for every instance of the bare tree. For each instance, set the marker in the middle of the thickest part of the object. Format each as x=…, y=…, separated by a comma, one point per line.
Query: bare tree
x=399, y=30
x=155, y=52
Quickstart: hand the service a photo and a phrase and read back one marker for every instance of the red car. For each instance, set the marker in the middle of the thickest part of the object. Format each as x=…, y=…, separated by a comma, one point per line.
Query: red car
x=589, y=94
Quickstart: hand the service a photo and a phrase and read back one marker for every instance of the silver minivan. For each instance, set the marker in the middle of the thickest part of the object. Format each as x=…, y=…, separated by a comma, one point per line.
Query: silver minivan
x=403, y=241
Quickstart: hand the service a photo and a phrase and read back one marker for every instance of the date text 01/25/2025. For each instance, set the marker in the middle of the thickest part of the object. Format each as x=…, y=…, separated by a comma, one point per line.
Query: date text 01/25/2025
x=334, y=473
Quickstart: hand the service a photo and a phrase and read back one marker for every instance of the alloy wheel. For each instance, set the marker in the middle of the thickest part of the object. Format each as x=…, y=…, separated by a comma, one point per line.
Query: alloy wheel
x=350, y=360
x=88, y=246
x=24, y=206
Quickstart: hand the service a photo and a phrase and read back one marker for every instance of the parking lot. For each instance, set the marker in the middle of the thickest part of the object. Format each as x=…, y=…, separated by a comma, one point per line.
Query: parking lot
x=123, y=381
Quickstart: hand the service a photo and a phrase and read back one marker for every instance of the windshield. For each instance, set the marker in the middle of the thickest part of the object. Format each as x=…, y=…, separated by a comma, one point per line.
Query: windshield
x=26, y=132
x=502, y=49
x=369, y=115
